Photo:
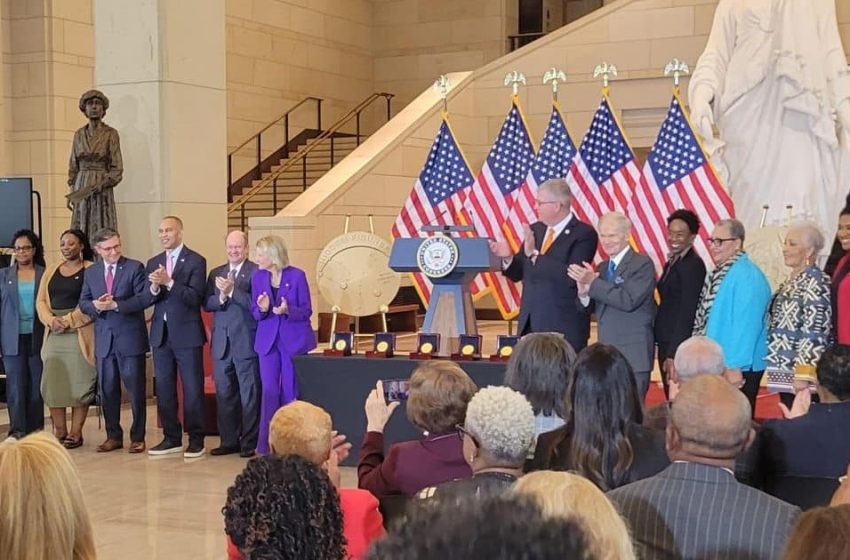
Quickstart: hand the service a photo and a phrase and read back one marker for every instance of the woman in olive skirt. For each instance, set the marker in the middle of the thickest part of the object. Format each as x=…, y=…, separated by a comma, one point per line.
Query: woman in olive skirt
x=69, y=378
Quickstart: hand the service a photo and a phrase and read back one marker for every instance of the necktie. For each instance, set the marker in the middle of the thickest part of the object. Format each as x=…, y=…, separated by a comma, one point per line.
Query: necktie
x=232, y=274
x=550, y=237
x=109, y=279
x=169, y=263
x=611, y=270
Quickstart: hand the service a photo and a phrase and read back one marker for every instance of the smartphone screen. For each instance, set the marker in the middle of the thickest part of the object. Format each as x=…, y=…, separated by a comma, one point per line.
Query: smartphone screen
x=396, y=389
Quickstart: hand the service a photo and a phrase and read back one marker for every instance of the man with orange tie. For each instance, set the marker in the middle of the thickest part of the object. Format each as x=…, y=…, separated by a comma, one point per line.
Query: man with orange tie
x=550, y=246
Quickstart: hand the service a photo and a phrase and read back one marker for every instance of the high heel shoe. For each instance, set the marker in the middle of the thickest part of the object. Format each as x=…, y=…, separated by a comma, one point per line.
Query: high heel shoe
x=72, y=443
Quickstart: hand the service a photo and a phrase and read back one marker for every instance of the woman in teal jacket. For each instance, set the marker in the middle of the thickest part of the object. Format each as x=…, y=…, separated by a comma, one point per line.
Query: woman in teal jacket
x=733, y=306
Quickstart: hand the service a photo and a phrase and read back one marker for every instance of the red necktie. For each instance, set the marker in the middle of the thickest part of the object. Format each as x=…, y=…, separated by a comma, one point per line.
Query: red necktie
x=109, y=279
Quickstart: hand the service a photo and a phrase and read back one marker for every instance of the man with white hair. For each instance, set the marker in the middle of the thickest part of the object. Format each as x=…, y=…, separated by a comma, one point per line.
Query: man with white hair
x=620, y=292
x=695, y=508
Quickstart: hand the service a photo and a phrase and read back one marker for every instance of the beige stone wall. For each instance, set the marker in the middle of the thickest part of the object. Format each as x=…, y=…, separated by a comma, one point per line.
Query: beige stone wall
x=417, y=40
x=640, y=36
x=47, y=63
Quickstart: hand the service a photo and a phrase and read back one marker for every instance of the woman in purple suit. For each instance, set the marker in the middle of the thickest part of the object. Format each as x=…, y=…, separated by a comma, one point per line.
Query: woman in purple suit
x=282, y=308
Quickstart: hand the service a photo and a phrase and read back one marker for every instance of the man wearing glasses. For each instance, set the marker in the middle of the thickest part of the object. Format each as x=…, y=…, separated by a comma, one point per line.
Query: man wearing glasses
x=557, y=240
x=114, y=296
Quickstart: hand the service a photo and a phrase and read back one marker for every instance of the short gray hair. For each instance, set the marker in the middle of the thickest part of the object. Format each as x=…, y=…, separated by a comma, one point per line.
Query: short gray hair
x=624, y=224
x=502, y=422
x=736, y=228
x=559, y=188
x=699, y=355
x=811, y=233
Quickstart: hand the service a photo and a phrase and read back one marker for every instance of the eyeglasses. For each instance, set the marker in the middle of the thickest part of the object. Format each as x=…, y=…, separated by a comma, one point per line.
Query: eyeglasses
x=461, y=431
x=25, y=249
x=717, y=242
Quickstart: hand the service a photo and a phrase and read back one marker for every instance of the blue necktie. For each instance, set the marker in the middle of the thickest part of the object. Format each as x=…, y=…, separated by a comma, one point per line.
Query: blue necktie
x=611, y=268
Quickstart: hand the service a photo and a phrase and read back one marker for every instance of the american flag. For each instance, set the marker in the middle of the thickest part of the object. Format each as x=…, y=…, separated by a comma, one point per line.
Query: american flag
x=605, y=173
x=677, y=174
x=554, y=159
x=491, y=196
x=438, y=196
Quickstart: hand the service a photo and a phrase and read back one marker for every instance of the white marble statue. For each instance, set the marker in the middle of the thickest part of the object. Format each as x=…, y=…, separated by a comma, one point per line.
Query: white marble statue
x=774, y=79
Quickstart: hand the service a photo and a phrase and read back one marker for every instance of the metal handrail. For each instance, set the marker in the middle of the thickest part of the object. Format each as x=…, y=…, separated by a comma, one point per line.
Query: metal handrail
x=301, y=155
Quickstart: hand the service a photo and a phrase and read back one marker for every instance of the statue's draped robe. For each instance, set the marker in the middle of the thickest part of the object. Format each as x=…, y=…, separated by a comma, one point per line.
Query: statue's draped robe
x=94, y=169
x=778, y=71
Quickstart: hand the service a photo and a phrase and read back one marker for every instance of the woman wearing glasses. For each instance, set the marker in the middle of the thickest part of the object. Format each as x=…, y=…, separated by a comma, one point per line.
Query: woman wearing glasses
x=21, y=334
x=800, y=319
x=733, y=305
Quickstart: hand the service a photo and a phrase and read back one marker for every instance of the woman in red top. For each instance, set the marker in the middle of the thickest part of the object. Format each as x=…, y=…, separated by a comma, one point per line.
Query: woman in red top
x=841, y=282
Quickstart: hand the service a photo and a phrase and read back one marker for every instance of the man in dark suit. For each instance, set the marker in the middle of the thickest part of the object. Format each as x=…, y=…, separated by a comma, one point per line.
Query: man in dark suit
x=237, y=377
x=621, y=294
x=679, y=289
x=177, y=284
x=549, y=247
x=695, y=508
x=114, y=296
x=812, y=442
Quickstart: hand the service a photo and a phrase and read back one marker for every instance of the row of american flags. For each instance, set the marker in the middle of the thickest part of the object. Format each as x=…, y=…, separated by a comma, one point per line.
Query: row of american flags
x=603, y=174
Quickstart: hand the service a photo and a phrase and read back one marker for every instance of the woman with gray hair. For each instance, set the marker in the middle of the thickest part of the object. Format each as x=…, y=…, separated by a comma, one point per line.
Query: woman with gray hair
x=800, y=315
x=497, y=435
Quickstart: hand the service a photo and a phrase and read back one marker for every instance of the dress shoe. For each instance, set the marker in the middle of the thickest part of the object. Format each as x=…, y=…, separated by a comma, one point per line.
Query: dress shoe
x=194, y=450
x=109, y=445
x=165, y=448
x=219, y=451
x=137, y=447
x=247, y=453
x=71, y=442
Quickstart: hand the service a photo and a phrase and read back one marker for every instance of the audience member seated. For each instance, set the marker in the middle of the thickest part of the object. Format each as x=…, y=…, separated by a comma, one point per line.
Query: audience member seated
x=695, y=508
x=284, y=508
x=540, y=368
x=438, y=396
x=820, y=534
x=43, y=513
x=842, y=495
x=300, y=428
x=497, y=435
x=495, y=528
x=603, y=439
x=574, y=498
x=814, y=443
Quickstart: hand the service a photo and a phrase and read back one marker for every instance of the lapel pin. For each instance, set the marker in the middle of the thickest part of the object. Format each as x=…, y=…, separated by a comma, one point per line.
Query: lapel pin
x=566, y=232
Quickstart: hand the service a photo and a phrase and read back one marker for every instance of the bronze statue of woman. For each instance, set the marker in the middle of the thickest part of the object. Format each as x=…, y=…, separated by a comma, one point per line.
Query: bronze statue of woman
x=95, y=168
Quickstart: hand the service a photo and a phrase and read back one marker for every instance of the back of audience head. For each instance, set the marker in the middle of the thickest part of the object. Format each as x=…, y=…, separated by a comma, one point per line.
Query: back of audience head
x=820, y=534
x=301, y=428
x=699, y=355
x=605, y=403
x=540, y=368
x=495, y=528
x=500, y=429
x=44, y=516
x=833, y=372
x=439, y=393
x=572, y=497
x=284, y=507
x=710, y=422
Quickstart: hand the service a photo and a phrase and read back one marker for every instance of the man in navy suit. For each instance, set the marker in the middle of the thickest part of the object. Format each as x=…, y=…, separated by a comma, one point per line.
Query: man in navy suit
x=558, y=240
x=235, y=366
x=176, y=287
x=114, y=296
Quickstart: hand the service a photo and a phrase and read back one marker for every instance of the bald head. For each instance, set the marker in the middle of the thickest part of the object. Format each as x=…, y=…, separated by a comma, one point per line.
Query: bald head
x=236, y=245
x=709, y=421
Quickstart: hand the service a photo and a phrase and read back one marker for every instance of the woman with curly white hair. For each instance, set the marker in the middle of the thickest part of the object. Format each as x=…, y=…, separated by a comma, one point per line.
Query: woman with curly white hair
x=497, y=435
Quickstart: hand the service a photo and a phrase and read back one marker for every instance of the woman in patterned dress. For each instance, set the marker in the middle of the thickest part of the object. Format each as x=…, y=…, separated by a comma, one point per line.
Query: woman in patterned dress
x=800, y=315
x=95, y=168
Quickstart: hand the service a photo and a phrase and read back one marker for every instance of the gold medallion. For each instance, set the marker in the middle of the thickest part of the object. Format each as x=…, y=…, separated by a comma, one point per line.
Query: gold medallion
x=426, y=348
x=506, y=351
x=382, y=346
x=467, y=350
x=340, y=344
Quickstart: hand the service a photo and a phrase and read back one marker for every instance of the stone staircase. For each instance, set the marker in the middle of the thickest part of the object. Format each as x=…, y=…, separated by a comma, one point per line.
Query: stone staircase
x=294, y=181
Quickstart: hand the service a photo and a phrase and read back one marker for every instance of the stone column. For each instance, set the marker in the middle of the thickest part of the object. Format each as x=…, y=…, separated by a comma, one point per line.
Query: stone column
x=162, y=65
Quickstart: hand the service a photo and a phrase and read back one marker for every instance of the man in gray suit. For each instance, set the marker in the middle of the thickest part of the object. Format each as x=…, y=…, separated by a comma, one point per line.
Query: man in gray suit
x=620, y=292
x=235, y=369
x=695, y=508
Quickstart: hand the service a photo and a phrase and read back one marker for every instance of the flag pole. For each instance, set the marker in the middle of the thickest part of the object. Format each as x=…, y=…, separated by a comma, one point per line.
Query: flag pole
x=555, y=76
x=606, y=71
x=676, y=68
x=442, y=86
x=514, y=79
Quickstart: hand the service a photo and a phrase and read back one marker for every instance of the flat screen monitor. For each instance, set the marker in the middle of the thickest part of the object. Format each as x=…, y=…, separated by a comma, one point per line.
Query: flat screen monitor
x=15, y=207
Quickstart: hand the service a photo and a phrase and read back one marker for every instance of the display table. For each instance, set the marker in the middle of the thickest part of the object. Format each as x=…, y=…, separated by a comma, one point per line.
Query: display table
x=340, y=386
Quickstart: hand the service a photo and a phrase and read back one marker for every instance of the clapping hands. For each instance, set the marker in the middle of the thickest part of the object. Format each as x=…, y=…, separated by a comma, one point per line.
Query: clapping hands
x=584, y=275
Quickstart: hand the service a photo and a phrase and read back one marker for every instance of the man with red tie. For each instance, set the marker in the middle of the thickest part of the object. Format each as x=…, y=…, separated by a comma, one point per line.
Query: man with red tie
x=176, y=286
x=559, y=239
x=114, y=296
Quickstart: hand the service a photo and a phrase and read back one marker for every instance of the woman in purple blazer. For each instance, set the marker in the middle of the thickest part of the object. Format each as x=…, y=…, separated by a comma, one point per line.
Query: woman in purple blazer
x=282, y=308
